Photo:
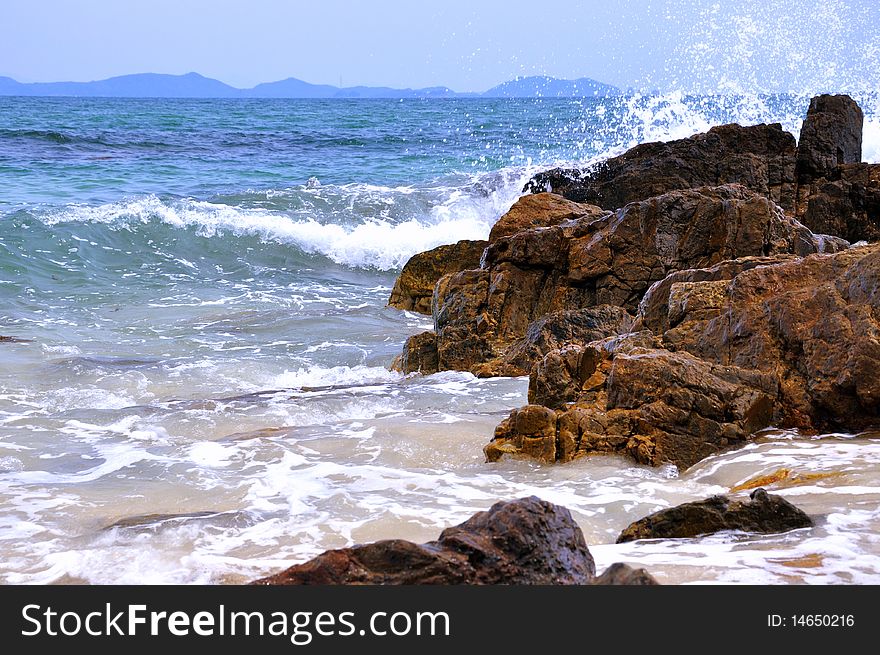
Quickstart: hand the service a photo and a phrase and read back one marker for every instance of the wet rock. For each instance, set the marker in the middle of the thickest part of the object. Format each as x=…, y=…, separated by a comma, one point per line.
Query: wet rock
x=526, y=541
x=414, y=286
x=624, y=574
x=830, y=136
x=651, y=405
x=760, y=157
x=7, y=339
x=762, y=513
x=540, y=210
x=419, y=355
x=480, y=314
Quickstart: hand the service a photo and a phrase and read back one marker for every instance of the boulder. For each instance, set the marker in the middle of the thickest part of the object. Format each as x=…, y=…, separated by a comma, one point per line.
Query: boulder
x=414, y=286
x=760, y=157
x=479, y=315
x=624, y=574
x=526, y=541
x=540, y=210
x=762, y=513
x=830, y=136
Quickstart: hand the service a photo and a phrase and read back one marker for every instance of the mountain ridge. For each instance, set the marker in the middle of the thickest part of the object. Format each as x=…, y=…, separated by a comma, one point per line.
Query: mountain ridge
x=194, y=85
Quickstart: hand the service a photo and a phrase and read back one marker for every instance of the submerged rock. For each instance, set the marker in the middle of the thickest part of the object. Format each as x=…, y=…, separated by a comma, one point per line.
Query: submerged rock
x=414, y=286
x=762, y=513
x=526, y=541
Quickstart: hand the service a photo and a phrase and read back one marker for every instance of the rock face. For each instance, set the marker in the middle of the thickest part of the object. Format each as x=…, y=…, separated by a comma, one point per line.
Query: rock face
x=763, y=513
x=415, y=285
x=480, y=315
x=760, y=157
x=527, y=541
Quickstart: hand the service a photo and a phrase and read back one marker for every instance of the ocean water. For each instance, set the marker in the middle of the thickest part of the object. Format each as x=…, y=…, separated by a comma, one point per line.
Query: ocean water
x=201, y=392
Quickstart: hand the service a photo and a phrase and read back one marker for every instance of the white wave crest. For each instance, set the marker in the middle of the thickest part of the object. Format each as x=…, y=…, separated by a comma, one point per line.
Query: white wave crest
x=343, y=233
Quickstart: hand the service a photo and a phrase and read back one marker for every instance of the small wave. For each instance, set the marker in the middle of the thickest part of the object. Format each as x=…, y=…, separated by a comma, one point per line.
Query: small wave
x=361, y=226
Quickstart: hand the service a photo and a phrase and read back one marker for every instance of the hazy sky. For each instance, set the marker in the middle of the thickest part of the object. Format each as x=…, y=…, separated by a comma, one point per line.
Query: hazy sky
x=468, y=45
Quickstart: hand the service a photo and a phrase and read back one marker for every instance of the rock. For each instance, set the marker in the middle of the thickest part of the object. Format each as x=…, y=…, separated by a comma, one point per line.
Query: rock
x=760, y=157
x=419, y=355
x=813, y=324
x=652, y=405
x=846, y=203
x=553, y=331
x=623, y=574
x=7, y=339
x=414, y=286
x=763, y=514
x=540, y=210
x=722, y=352
x=480, y=315
x=525, y=541
x=830, y=136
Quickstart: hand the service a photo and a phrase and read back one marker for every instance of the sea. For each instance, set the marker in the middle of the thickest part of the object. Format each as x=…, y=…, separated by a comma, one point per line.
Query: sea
x=196, y=385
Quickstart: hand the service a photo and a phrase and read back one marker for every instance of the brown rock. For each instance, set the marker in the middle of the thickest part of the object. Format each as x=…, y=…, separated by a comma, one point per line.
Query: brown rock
x=846, y=203
x=652, y=405
x=481, y=316
x=812, y=324
x=760, y=157
x=623, y=574
x=539, y=210
x=414, y=286
x=553, y=331
x=526, y=541
x=763, y=513
x=830, y=136
x=419, y=355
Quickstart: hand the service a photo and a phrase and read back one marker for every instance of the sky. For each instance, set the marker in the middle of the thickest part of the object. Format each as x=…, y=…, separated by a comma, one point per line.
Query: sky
x=467, y=45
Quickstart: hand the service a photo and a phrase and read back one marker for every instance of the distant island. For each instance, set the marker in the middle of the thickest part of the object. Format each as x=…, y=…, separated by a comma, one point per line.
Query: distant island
x=193, y=85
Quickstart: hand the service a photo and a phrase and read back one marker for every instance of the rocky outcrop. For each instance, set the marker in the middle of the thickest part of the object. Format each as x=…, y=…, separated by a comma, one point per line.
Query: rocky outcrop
x=480, y=315
x=830, y=136
x=821, y=182
x=540, y=210
x=723, y=352
x=762, y=513
x=760, y=157
x=837, y=194
x=415, y=285
x=813, y=324
x=526, y=541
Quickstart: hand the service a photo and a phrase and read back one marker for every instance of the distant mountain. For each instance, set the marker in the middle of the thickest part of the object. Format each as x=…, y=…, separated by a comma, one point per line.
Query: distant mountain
x=143, y=85
x=550, y=87
x=193, y=85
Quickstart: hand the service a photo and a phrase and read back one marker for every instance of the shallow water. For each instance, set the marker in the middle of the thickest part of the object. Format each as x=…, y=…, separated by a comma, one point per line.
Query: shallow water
x=204, y=393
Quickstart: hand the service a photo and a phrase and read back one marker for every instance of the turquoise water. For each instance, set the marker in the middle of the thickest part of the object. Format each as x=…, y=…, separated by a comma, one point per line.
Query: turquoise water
x=200, y=289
